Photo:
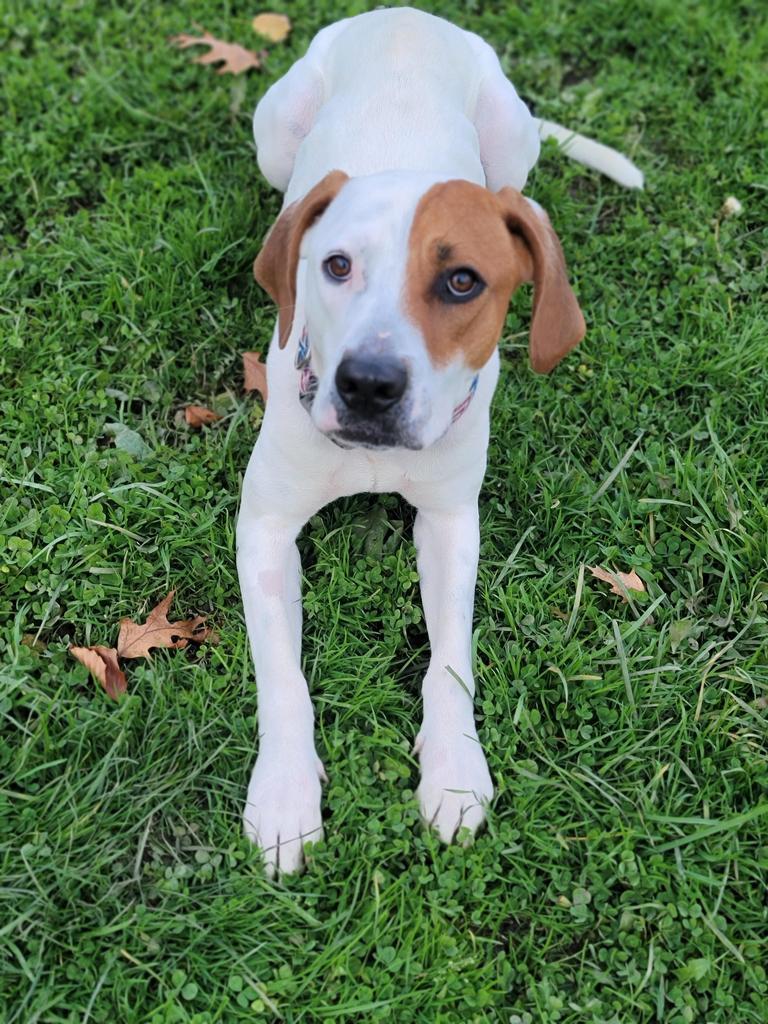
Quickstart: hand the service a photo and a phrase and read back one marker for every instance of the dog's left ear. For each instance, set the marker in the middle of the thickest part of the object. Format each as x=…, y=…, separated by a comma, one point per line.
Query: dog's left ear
x=557, y=325
x=276, y=265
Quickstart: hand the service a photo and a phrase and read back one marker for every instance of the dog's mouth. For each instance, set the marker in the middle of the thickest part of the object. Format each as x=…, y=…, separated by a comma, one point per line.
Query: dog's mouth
x=380, y=431
x=371, y=438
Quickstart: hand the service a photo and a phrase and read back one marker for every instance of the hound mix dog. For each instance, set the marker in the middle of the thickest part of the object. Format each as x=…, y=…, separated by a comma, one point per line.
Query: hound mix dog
x=402, y=149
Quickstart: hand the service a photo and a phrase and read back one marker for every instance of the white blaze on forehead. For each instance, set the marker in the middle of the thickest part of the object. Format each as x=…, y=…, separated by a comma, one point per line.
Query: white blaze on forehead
x=373, y=214
x=370, y=222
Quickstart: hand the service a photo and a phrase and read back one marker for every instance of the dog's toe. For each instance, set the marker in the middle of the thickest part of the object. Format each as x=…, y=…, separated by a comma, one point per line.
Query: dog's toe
x=282, y=813
x=457, y=810
x=455, y=786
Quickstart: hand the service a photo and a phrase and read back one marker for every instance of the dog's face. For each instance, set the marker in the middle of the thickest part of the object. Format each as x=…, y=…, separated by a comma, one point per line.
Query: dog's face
x=407, y=282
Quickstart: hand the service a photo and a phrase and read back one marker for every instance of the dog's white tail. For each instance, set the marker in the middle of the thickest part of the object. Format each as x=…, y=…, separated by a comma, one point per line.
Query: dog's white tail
x=593, y=154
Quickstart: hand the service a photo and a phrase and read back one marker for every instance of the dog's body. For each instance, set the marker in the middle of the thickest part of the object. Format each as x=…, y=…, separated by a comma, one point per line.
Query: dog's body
x=400, y=146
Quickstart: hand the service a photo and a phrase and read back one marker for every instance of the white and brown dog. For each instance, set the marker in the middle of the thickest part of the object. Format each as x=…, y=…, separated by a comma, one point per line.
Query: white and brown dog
x=401, y=148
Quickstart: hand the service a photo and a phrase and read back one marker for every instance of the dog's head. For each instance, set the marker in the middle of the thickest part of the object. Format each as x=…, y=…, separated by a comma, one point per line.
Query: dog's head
x=407, y=282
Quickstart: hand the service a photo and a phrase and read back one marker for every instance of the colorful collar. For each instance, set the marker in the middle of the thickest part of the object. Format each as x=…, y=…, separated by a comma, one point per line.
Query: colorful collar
x=308, y=381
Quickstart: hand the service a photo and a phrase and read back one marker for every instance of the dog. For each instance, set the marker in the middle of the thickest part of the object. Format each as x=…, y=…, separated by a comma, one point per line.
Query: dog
x=402, y=150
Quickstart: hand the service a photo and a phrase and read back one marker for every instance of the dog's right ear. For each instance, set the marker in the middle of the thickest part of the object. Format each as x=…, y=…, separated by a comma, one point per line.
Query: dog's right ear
x=276, y=265
x=557, y=324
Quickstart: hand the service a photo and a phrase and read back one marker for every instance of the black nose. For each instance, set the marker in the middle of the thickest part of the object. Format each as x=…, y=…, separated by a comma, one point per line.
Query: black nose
x=370, y=384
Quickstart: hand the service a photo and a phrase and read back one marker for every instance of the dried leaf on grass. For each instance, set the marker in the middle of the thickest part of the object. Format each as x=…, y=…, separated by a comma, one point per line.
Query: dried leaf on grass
x=102, y=663
x=198, y=416
x=255, y=373
x=235, y=57
x=272, y=26
x=630, y=580
x=136, y=639
x=33, y=642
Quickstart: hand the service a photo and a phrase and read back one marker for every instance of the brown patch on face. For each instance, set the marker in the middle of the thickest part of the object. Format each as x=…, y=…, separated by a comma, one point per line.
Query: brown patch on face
x=503, y=240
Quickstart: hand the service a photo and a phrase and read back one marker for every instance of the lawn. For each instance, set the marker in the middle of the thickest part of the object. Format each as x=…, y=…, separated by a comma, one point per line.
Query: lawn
x=622, y=874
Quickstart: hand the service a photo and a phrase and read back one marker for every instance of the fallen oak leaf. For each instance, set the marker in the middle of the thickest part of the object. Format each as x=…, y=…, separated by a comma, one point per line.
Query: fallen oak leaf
x=198, y=416
x=102, y=663
x=630, y=580
x=236, y=58
x=255, y=373
x=274, y=27
x=136, y=639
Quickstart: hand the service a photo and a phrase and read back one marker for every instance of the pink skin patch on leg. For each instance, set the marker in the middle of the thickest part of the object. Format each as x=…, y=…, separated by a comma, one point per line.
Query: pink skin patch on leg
x=271, y=582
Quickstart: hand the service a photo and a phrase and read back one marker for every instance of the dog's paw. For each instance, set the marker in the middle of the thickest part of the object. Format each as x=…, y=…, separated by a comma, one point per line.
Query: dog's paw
x=455, y=785
x=282, y=811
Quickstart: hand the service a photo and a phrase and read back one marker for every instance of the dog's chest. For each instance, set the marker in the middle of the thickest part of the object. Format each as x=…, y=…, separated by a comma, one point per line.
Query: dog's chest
x=360, y=471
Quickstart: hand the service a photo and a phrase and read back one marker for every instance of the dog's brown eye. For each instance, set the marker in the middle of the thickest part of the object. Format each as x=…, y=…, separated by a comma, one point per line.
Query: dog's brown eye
x=338, y=267
x=461, y=281
x=460, y=285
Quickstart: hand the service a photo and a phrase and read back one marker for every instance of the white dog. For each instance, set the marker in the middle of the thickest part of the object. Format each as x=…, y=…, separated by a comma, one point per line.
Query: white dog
x=401, y=149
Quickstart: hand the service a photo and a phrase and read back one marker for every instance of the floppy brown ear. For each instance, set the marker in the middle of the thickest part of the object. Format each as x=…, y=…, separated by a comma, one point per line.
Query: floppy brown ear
x=275, y=266
x=557, y=325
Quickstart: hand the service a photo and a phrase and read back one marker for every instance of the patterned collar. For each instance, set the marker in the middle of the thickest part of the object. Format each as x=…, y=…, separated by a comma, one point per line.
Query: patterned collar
x=308, y=381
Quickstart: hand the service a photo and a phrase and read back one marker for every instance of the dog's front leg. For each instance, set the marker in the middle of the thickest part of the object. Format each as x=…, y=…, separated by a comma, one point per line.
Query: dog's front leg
x=455, y=783
x=282, y=811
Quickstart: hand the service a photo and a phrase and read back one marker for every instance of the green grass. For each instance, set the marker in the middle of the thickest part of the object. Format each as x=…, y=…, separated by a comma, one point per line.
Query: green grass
x=621, y=877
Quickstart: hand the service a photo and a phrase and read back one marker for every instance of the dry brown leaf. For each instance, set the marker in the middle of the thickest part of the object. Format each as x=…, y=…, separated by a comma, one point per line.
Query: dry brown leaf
x=102, y=663
x=236, y=58
x=33, y=642
x=255, y=373
x=630, y=580
x=136, y=640
x=272, y=26
x=199, y=416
